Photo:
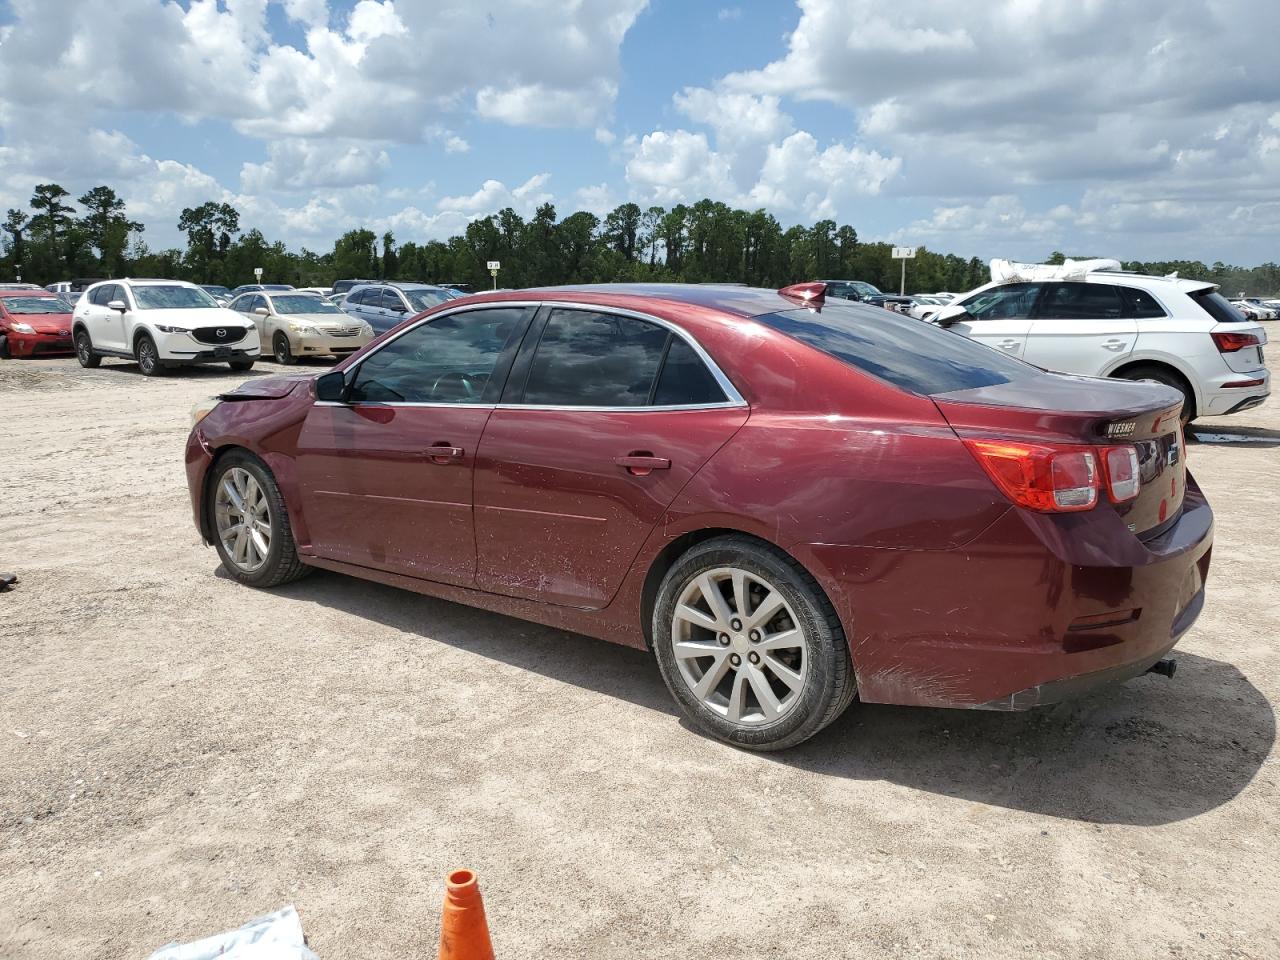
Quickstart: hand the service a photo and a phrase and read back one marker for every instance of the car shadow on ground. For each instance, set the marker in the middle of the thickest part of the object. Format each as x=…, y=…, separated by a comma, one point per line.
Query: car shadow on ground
x=1262, y=437
x=1149, y=752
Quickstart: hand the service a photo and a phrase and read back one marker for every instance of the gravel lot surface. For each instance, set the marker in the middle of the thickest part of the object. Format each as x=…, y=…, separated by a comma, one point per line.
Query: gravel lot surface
x=179, y=754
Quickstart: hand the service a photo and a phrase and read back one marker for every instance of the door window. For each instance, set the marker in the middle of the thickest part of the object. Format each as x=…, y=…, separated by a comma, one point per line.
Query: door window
x=1007, y=302
x=99, y=296
x=1141, y=304
x=1080, y=301
x=391, y=300
x=588, y=359
x=685, y=379
x=255, y=302
x=357, y=296
x=448, y=360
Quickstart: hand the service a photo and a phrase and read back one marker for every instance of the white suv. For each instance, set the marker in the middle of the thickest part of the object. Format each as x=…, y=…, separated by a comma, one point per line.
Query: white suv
x=161, y=324
x=1105, y=323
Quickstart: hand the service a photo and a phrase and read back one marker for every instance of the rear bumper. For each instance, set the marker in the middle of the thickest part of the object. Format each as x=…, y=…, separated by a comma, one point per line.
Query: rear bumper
x=1222, y=399
x=1036, y=609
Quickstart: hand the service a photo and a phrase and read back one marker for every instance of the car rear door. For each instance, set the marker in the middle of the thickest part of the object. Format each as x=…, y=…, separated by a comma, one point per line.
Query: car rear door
x=1082, y=328
x=999, y=317
x=606, y=417
x=386, y=475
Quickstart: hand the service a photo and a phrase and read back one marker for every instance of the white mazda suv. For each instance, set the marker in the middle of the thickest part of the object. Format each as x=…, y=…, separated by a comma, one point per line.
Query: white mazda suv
x=161, y=324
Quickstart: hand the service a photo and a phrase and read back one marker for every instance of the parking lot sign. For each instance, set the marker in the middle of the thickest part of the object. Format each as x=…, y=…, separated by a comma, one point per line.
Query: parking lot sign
x=494, y=267
x=904, y=254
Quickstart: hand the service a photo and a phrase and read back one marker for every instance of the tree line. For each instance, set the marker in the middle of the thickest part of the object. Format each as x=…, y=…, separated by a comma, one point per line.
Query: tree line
x=702, y=242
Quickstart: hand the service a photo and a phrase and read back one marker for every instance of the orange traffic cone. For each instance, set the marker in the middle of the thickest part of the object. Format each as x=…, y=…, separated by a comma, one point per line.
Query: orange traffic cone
x=464, y=933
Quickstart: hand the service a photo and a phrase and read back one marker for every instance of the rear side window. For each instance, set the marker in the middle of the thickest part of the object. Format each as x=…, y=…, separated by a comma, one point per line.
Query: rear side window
x=588, y=359
x=357, y=296
x=910, y=354
x=1140, y=304
x=1218, y=306
x=685, y=379
x=1080, y=301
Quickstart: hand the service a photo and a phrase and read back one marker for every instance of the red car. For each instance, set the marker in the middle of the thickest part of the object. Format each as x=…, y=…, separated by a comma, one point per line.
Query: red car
x=34, y=322
x=791, y=501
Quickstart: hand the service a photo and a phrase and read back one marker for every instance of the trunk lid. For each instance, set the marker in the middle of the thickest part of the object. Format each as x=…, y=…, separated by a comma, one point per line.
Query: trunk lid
x=1246, y=359
x=1095, y=412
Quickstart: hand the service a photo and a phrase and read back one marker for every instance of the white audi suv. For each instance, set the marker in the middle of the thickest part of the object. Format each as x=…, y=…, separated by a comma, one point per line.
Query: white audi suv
x=1111, y=323
x=161, y=324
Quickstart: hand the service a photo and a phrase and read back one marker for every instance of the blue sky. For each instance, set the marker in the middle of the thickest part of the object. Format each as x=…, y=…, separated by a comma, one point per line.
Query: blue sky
x=1142, y=130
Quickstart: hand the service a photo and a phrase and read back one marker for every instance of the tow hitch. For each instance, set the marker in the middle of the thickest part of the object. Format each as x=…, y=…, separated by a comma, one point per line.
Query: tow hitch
x=1166, y=667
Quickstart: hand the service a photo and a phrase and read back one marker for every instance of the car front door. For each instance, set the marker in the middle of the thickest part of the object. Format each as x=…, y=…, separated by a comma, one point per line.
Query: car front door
x=1080, y=328
x=386, y=475
x=606, y=417
x=105, y=325
x=247, y=306
x=1000, y=317
x=118, y=322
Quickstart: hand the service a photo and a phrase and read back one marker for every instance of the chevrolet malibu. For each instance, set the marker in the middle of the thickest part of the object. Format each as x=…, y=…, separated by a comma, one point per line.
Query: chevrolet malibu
x=791, y=501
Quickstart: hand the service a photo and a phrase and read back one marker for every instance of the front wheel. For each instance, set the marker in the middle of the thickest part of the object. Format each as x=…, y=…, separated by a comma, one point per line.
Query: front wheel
x=149, y=357
x=250, y=523
x=84, y=350
x=749, y=645
x=282, y=351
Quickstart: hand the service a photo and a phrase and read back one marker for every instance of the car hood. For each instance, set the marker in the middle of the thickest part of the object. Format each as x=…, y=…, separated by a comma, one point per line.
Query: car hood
x=268, y=388
x=193, y=318
x=43, y=322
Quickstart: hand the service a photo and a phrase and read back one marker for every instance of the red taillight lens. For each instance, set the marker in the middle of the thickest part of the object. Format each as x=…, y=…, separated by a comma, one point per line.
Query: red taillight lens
x=1050, y=479
x=1231, y=342
x=1120, y=466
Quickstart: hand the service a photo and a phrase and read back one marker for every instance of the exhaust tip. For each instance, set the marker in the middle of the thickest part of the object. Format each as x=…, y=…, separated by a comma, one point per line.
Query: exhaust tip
x=1166, y=667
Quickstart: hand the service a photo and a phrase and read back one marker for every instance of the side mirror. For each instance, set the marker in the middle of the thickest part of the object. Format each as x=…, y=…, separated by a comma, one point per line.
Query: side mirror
x=261, y=311
x=118, y=305
x=332, y=387
x=951, y=314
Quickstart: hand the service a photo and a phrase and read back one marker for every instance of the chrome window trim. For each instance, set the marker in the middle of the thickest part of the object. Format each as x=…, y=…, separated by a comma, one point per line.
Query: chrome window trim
x=735, y=399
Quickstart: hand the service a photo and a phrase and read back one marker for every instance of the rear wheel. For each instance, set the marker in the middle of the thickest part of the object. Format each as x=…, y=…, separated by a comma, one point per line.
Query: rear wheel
x=282, y=351
x=749, y=646
x=251, y=525
x=4, y=347
x=148, y=357
x=84, y=350
x=1154, y=374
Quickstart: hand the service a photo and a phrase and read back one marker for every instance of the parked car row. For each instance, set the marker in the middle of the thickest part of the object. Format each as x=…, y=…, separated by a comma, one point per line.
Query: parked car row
x=1257, y=308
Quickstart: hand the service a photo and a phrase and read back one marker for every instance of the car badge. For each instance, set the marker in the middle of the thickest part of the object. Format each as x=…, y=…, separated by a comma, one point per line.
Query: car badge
x=221, y=332
x=1121, y=428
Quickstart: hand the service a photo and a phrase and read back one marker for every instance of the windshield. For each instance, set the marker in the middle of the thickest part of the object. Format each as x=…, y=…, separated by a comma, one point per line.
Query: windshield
x=216, y=290
x=915, y=356
x=172, y=298
x=302, y=303
x=425, y=299
x=36, y=305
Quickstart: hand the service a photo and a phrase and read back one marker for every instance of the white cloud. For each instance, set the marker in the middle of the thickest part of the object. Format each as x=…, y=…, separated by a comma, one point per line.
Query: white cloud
x=456, y=144
x=493, y=195
x=798, y=177
x=306, y=164
x=677, y=167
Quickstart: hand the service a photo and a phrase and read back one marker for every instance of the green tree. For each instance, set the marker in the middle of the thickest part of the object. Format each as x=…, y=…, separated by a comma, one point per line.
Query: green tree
x=51, y=220
x=106, y=228
x=355, y=256
x=390, y=262
x=15, y=225
x=210, y=229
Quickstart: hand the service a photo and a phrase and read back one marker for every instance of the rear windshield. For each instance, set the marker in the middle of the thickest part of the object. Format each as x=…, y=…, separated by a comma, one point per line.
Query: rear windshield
x=908, y=353
x=1218, y=306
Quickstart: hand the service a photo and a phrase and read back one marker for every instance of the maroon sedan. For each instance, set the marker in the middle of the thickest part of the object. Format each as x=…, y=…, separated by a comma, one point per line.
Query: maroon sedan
x=34, y=322
x=791, y=501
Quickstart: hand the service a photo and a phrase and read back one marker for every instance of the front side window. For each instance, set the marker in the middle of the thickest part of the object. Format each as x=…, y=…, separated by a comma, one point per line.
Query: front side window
x=588, y=359
x=391, y=300
x=101, y=295
x=1007, y=302
x=448, y=360
x=1080, y=301
x=285, y=305
x=164, y=297
x=35, y=305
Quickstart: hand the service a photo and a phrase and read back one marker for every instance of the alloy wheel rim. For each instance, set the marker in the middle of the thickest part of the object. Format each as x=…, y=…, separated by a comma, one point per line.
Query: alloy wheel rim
x=243, y=518
x=146, y=358
x=282, y=350
x=739, y=646
x=82, y=347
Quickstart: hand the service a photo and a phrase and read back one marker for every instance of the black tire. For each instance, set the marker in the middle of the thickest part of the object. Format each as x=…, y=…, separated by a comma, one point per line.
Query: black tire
x=84, y=350
x=282, y=564
x=829, y=685
x=1156, y=374
x=4, y=347
x=281, y=350
x=240, y=366
x=148, y=357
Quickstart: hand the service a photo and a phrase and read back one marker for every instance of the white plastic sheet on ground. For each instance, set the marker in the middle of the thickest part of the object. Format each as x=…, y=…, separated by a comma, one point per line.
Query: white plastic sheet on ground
x=277, y=936
x=1007, y=271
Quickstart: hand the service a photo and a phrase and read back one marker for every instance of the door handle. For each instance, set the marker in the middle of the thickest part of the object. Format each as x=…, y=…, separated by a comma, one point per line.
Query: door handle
x=641, y=463
x=1009, y=344
x=444, y=453
x=1116, y=345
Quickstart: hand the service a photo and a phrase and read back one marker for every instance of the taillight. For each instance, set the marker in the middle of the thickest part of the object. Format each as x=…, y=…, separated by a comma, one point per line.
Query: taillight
x=1120, y=467
x=1231, y=342
x=1051, y=479
x=1054, y=478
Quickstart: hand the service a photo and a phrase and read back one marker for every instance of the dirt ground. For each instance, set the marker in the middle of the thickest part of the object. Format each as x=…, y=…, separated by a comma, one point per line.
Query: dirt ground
x=179, y=754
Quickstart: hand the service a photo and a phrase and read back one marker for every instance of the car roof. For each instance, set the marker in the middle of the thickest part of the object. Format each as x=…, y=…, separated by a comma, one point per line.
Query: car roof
x=723, y=298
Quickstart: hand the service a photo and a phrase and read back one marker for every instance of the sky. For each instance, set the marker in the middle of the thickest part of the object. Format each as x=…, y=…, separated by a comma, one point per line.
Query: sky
x=1012, y=128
